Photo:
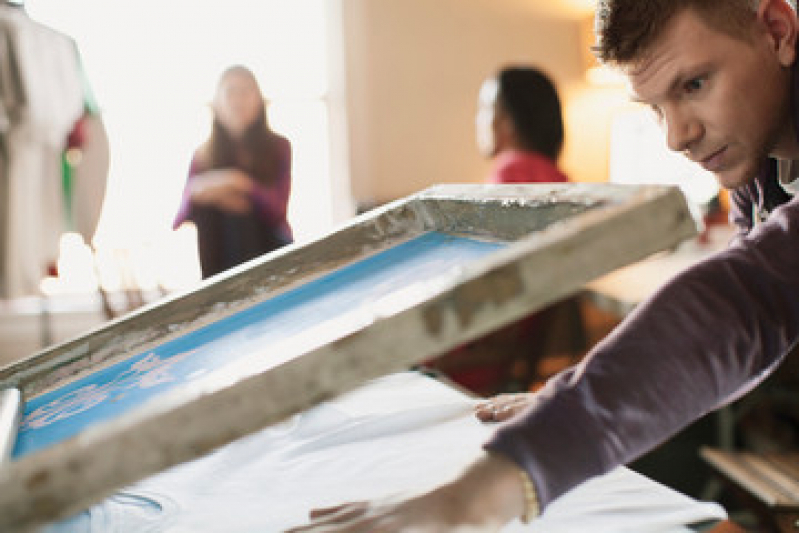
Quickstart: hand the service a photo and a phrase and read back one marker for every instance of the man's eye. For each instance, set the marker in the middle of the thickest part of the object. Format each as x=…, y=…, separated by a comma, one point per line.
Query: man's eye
x=656, y=112
x=694, y=85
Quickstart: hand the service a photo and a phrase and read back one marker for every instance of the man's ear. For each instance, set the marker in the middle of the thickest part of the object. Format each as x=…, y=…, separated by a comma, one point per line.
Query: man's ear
x=780, y=23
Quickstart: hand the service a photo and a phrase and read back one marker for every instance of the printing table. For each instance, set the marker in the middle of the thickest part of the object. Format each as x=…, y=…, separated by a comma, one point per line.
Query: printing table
x=398, y=434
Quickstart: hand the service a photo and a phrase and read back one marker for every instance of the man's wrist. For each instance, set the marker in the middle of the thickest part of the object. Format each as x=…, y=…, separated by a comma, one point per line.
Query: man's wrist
x=532, y=507
x=506, y=491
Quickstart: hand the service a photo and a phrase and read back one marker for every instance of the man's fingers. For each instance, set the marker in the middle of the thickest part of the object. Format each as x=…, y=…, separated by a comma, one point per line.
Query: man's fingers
x=346, y=511
x=501, y=407
x=332, y=516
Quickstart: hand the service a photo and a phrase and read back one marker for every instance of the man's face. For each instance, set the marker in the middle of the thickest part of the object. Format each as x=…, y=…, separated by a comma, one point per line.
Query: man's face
x=723, y=102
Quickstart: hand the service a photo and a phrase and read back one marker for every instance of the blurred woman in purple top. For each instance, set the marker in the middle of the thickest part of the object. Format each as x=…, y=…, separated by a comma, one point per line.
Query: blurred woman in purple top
x=239, y=180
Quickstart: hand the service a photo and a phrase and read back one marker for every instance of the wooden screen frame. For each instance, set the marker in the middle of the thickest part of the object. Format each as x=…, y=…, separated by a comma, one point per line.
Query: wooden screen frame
x=561, y=236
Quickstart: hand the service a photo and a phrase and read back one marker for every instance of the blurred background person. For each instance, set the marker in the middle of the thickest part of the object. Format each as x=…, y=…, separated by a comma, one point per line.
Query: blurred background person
x=239, y=180
x=519, y=126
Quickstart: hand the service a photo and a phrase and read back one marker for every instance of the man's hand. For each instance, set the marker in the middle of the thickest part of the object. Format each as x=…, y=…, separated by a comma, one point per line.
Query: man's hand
x=483, y=499
x=502, y=407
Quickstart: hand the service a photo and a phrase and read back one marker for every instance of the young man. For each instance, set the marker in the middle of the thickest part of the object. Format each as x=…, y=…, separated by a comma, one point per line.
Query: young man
x=721, y=77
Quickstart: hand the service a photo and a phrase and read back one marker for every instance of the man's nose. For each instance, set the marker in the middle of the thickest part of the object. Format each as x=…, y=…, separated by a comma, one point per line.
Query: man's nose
x=683, y=130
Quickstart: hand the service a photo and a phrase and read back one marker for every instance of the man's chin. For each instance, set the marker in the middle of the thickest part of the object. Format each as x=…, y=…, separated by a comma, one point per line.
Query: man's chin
x=733, y=178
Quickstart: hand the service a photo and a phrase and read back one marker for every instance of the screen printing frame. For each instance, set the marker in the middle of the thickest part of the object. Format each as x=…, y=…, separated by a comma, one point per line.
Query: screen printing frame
x=560, y=237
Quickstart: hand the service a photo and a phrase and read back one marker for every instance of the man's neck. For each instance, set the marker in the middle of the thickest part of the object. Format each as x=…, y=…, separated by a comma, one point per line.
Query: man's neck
x=790, y=150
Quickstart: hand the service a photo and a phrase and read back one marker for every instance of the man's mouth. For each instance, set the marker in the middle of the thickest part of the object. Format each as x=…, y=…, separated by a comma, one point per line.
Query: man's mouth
x=714, y=161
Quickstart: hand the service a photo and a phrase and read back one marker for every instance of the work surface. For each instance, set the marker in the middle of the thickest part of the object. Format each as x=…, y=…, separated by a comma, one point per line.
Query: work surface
x=398, y=434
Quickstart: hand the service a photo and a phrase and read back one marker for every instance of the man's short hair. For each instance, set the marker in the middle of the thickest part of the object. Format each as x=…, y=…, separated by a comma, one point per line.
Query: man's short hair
x=625, y=29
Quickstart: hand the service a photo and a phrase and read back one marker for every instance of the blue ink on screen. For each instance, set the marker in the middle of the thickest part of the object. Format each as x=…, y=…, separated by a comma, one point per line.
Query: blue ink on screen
x=64, y=412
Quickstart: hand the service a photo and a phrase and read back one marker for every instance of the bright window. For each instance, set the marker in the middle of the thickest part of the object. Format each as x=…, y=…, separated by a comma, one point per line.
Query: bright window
x=153, y=67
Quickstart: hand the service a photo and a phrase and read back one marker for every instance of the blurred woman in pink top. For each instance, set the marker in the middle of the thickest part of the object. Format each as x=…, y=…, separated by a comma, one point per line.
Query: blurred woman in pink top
x=520, y=127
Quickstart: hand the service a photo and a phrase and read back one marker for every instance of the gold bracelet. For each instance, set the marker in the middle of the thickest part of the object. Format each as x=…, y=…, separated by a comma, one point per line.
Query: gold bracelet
x=531, y=506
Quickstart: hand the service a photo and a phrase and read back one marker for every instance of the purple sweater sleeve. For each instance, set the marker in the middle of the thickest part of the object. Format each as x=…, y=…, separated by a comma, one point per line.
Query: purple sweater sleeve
x=706, y=337
x=272, y=201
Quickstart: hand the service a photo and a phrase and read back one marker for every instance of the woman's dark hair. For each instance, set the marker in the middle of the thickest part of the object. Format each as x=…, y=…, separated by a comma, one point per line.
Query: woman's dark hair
x=255, y=153
x=531, y=101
